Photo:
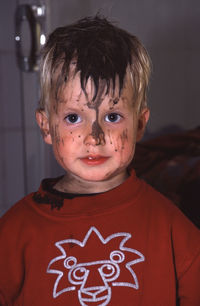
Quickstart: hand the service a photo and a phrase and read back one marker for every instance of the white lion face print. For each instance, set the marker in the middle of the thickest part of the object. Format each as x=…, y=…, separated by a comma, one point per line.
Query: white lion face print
x=92, y=276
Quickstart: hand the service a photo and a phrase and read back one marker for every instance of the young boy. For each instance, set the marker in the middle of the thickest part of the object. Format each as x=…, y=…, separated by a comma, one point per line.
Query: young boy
x=97, y=235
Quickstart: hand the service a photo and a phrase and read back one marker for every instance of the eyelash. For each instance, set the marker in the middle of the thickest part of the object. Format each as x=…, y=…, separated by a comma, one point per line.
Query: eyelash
x=74, y=115
x=119, y=117
x=75, y=118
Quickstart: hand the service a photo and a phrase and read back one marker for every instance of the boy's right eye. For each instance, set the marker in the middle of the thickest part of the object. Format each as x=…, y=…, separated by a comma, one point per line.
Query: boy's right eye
x=73, y=118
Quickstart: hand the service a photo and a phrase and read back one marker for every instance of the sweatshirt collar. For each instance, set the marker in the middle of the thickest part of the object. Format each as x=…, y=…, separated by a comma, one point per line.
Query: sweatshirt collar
x=56, y=202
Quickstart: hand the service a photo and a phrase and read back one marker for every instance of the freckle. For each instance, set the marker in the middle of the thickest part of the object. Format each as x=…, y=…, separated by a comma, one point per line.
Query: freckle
x=79, y=136
x=115, y=150
x=82, y=110
x=87, y=151
x=70, y=132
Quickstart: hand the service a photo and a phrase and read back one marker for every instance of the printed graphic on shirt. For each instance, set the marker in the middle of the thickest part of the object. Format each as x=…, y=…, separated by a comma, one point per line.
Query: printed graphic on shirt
x=93, y=266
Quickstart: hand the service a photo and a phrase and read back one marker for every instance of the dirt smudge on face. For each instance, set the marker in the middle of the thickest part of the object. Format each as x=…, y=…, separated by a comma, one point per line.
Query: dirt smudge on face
x=109, y=136
x=55, y=133
x=57, y=140
x=97, y=132
x=112, y=102
x=115, y=101
x=124, y=138
x=108, y=174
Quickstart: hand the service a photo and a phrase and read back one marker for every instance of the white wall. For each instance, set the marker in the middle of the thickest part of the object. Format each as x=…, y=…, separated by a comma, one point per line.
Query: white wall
x=11, y=143
x=22, y=163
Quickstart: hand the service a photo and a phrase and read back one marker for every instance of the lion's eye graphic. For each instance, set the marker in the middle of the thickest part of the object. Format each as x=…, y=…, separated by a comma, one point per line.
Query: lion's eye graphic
x=108, y=270
x=79, y=273
x=70, y=262
x=117, y=256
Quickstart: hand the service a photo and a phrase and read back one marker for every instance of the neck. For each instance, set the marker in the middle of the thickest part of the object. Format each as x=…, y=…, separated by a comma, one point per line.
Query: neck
x=72, y=184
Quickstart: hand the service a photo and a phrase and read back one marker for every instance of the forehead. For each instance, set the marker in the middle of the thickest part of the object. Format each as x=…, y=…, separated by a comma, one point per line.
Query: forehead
x=72, y=94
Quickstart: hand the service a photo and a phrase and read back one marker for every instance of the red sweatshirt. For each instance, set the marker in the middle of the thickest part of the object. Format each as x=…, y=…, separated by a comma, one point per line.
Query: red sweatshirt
x=127, y=246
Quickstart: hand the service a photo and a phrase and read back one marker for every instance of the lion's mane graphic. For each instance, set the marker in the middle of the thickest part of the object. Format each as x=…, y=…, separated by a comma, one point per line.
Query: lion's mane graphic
x=93, y=274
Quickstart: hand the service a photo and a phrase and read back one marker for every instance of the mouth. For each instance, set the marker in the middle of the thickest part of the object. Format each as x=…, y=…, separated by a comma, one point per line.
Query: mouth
x=94, y=160
x=99, y=296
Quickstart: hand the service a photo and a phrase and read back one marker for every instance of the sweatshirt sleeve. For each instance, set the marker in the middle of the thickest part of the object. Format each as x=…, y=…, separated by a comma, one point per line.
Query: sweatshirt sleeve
x=186, y=243
x=189, y=284
x=11, y=257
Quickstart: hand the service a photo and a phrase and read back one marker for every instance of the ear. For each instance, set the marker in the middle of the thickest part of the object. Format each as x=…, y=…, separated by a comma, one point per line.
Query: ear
x=43, y=122
x=143, y=118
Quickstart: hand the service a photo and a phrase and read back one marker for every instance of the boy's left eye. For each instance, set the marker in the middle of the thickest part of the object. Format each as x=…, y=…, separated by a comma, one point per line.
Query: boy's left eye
x=73, y=118
x=113, y=117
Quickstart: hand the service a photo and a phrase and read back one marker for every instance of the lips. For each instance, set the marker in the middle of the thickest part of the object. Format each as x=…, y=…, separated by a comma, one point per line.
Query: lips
x=94, y=160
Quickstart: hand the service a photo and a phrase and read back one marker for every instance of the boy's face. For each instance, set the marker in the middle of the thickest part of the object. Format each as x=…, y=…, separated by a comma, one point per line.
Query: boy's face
x=93, y=140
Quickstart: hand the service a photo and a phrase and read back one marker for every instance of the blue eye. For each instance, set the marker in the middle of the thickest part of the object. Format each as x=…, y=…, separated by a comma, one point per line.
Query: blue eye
x=73, y=118
x=112, y=117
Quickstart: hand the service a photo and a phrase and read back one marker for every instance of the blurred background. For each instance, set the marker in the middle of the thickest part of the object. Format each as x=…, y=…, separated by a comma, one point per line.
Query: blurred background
x=169, y=29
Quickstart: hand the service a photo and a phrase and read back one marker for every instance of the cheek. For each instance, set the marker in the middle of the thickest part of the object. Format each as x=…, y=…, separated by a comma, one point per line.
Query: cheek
x=67, y=142
x=127, y=153
x=60, y=136
x=121, y=140
x=63, y=149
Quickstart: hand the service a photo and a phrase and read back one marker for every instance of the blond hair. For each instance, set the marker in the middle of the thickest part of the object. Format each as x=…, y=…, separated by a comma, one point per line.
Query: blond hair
x=100, y=51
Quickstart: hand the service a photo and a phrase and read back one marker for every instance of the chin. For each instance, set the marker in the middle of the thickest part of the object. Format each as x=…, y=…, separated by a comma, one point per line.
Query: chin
x=95, y=177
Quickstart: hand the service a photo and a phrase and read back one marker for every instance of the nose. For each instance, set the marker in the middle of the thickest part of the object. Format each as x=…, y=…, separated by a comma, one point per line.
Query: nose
x=94, y=138
x=94, y=279
x=91, y=140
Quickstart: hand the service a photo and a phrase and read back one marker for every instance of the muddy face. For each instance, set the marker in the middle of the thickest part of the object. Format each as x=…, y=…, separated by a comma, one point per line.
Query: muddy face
x=85, y=129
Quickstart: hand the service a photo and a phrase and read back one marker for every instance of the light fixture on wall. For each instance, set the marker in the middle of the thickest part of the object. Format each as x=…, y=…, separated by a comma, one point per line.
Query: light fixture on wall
x=29, y=35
